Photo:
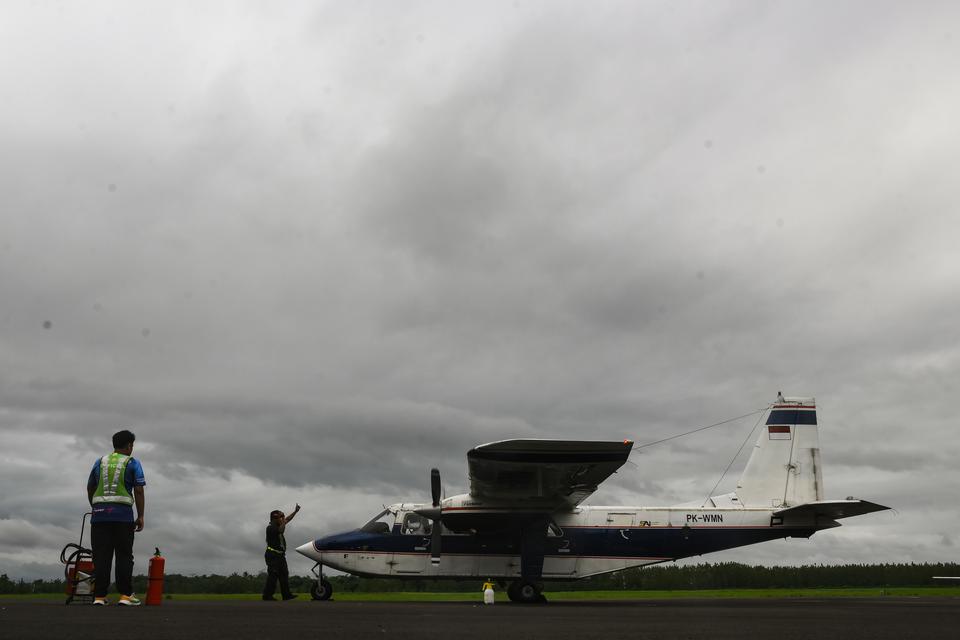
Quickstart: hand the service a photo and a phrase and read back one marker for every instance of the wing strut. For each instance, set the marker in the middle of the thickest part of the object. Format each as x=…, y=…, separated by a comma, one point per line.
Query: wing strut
x=533, y=546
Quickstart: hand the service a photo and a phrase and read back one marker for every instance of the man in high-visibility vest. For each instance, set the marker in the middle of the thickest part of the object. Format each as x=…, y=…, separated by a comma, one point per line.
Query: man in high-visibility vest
x=115, y=485
x=276, y=556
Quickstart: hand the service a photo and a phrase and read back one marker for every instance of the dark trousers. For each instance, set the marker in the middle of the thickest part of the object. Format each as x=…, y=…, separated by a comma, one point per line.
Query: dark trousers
x=110, y=539
x=276, y=570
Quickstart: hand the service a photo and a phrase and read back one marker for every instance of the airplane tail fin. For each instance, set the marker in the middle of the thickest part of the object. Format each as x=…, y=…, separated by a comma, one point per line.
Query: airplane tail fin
x=784, y=468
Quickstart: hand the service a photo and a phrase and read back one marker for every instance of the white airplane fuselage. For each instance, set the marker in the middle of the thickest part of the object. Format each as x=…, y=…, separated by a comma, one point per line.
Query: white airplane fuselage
x=584, y=542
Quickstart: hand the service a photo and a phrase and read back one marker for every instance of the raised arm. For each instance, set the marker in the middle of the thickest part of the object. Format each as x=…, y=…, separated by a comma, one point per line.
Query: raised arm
x=290, y=517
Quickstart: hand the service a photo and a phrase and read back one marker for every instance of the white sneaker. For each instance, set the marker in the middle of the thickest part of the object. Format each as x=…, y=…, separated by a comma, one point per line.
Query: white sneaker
x=100, y=602
x=129, y=601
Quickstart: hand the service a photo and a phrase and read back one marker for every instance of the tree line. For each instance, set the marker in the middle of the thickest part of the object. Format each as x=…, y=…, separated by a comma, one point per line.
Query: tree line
x=724, y=575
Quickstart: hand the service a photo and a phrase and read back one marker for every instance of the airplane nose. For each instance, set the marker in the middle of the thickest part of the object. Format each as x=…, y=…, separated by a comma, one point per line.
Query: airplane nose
x=309, y=549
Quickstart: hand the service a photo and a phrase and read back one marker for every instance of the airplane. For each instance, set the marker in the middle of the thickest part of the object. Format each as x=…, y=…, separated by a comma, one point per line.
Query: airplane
x=523, y=521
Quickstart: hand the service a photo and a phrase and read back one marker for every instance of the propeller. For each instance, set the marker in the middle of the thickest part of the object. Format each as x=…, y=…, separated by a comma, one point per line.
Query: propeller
x=434, y=514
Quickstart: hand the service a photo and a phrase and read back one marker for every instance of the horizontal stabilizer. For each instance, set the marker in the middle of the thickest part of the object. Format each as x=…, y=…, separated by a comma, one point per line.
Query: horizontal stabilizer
x=832, y=509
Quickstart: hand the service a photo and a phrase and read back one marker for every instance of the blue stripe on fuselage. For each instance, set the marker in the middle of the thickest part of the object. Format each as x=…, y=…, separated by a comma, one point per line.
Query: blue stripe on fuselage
x=631, y=542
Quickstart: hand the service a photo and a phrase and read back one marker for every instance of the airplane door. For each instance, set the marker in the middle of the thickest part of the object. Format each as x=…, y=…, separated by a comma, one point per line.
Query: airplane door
x=561, y=557
x=413, y=554
x=620, y=532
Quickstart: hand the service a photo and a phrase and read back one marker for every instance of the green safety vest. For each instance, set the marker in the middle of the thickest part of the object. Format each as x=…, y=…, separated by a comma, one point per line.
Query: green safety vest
x=111, y=487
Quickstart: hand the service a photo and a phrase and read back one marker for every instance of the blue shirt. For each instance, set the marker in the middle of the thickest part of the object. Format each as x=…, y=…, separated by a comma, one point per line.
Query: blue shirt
x=110, y=512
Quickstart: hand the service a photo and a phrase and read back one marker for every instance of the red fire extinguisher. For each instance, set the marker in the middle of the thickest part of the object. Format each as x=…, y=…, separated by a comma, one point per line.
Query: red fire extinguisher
x=155, y=579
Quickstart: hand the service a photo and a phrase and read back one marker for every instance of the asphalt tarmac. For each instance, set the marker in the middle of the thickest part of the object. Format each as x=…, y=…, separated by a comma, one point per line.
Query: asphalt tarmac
x=779, y=619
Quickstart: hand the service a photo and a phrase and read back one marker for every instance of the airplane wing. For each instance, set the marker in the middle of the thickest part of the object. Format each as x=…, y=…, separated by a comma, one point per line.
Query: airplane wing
x=829, y=510
x=542, y=475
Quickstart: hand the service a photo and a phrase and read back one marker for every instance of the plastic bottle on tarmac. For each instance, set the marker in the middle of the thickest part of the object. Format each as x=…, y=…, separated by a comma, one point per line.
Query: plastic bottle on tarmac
x=488, y=593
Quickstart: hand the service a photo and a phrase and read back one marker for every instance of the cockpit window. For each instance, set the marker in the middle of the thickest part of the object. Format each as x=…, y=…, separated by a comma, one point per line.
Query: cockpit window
x=381, y=523
x=415, y=524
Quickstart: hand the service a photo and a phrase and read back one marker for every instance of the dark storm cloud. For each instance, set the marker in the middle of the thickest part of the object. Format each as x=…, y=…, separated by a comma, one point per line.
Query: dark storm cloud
x=338, y=443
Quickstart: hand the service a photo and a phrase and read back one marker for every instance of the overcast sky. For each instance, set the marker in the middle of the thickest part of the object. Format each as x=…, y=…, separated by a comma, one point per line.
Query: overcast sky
x=308, y=251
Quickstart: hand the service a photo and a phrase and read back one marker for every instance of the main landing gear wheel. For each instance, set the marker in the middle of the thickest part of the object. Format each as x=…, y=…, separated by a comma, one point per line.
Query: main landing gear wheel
x=321, y=589
x=525, y=591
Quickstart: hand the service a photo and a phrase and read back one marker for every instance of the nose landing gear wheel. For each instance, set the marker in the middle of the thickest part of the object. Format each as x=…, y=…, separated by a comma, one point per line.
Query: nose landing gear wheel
x=321, y=589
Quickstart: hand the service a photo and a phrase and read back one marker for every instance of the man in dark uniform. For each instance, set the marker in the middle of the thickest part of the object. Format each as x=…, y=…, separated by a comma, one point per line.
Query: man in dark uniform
x=276, y=556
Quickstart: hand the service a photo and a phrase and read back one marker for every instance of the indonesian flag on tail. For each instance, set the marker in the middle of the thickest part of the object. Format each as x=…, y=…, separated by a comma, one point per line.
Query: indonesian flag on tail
x=778, y=431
